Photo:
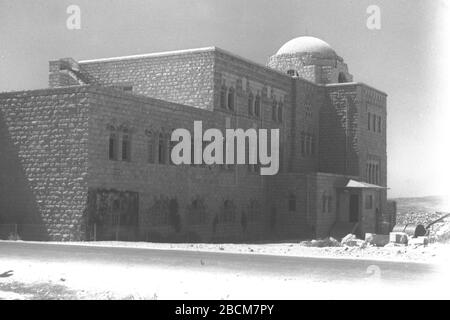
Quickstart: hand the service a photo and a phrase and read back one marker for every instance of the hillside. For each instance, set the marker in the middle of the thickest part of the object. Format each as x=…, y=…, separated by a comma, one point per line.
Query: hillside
x=424, y=210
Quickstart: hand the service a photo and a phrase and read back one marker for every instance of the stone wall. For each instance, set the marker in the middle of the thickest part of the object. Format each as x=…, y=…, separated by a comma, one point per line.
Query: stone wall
x=43, y=163
x=183, y=77
x=312, y=66
x=339, y=124
x=159, y=184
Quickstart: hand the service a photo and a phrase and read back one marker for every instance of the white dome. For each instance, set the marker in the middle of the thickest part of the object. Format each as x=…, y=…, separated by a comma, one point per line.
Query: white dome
x=307, y=45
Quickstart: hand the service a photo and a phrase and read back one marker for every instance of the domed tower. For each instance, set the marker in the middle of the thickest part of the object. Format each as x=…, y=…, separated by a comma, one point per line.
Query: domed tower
x=312, y=59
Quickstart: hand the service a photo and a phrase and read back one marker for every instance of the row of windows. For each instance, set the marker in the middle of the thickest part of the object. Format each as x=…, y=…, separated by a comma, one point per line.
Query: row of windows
x=373, y=172
x=159, y=148
x=228, y=102
x=374, y=123
x=277, y=111
x=125, y=150
x=308, y=144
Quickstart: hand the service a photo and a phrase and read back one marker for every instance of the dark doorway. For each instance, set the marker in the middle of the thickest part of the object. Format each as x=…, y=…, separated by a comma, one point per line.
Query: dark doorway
x=354, y=208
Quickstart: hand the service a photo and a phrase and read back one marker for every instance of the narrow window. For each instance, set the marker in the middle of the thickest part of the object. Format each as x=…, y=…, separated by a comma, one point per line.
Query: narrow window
x=313, y=145
x=369, y=121
x=126, y=147
x=112, y=146
x=374, y=123
x=231, y=99
x=274, y=110
x=280, y=112
x=151, y=150
x=257, y=106
x=250, y=104
x=379, y=124
x=223, y=97
x=161, y=149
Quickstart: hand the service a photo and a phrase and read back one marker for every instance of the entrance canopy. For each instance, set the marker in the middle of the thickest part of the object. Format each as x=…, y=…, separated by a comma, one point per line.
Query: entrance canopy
x=362, y=185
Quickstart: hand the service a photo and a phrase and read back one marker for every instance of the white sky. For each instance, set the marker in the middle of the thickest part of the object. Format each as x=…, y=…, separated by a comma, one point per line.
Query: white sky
x=407, y=58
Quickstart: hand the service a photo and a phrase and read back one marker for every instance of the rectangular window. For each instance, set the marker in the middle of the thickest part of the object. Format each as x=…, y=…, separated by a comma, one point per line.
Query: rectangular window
x=374, y=123
x=274, y=111
x=112, y=146
x=379, y=124
x=161, y=150
x=223, y=98
x=126, y=148
x=369, y=121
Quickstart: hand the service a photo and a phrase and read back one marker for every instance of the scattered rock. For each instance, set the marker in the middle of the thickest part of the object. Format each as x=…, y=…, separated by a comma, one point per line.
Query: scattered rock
x=398, y=237
x=379, y=240
x=419, y=241
x=350, y=240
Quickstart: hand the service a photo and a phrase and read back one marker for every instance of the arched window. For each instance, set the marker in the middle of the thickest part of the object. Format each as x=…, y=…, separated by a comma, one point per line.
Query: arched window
x=280, y=111
x=126, y=146
x=161, y=149
x=150, y=147
x=292, y=73
x=250, y=104
x=258, y=105
x=223, y=97
x=274, y=110
x=231, y=98
x=113, y=145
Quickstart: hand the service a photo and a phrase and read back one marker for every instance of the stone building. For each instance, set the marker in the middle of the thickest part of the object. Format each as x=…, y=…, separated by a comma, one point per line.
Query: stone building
x=88, y=157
